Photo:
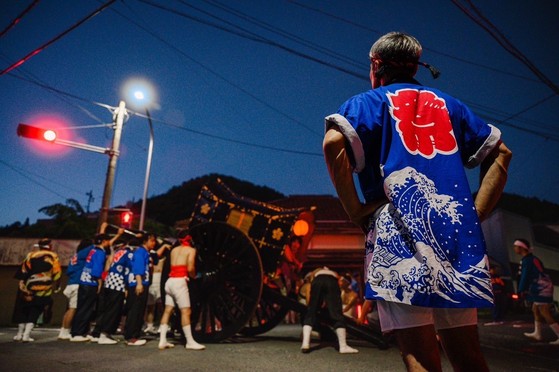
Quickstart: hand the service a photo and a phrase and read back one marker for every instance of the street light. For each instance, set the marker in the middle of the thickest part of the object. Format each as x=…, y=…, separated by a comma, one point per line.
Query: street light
x=49, y=135
x=141, y=92
x=143, y=95
x=148, y=171
x=119, y=115
x=42, y=134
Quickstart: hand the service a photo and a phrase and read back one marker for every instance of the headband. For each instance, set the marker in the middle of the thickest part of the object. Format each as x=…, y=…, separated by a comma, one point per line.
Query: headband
x=44, y=244
x=521, y=244
x=187, y=240
x=435, y=73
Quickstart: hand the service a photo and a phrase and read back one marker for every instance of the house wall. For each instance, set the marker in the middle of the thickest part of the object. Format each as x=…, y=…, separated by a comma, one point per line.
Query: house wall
x=336, y=241
x=501, y=229
x=14, y=250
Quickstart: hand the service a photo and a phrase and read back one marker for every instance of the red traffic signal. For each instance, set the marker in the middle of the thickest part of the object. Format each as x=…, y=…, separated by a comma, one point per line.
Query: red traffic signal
x=28, y=131
x=126, y=219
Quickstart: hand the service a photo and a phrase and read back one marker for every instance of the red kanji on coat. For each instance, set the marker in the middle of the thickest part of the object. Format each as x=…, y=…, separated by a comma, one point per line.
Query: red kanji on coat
x=423, y=122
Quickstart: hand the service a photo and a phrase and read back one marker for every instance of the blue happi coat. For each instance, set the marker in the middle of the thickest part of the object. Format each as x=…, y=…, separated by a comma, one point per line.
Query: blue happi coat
x=411, y=143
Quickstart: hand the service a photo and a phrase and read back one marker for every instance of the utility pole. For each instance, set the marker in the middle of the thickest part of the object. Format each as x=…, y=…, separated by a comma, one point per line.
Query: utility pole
x=113, y=157
x=90, y=199
x=148, y=170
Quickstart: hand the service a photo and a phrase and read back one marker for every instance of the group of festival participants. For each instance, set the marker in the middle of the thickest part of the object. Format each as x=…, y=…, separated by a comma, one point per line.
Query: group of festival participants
x=110, y=282
x=113, y=284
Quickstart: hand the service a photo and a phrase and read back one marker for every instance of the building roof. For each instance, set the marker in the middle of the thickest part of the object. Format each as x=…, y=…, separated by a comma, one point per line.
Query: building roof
x=328, y=212
x=331, y=216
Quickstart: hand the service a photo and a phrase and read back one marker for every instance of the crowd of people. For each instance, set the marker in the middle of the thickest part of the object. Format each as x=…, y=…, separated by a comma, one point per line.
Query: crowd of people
x=110, y=288
x=114, y=286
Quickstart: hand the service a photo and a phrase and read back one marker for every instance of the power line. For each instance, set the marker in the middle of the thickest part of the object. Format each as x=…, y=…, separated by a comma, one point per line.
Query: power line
x=23, y=173
x=481, y=109
x=257, y=38
x=529, y=108
x=502, y=40
x=286, y=34
x=221, y=77
x=503, y=121
x=246, y=143
x=57, y=91
x=367, y=28
x=55, y=39
x=19, y=18
x=63, y=96
x=225, y=139
x=553, y=137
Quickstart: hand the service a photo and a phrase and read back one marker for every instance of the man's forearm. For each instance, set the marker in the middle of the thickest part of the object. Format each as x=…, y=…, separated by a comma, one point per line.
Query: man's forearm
x=341, y=174
x=493, y=177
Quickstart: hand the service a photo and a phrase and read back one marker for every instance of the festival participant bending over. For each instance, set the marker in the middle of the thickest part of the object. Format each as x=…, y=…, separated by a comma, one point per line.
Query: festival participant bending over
x=183, y=258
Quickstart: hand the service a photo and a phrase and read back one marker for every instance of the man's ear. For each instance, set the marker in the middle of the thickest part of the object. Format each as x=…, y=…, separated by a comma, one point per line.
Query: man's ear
x=374, y=73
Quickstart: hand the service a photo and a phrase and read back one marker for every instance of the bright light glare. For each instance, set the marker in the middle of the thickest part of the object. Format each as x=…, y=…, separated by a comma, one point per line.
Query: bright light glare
x=139, y=93
x=301, y=228
x=56, y=126
x=126, y=217
x=49, y=135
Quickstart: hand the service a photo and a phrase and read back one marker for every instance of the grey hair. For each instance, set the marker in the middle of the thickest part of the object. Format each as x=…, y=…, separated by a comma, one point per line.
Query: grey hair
x=396, y=47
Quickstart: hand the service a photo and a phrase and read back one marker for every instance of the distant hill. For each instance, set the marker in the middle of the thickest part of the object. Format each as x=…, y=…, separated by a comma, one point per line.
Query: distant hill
x=538, y=211
x=177, y=203
x=164, y=210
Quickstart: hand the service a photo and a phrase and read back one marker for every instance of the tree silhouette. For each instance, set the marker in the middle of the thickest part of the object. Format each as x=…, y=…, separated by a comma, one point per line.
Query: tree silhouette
x=69, y=220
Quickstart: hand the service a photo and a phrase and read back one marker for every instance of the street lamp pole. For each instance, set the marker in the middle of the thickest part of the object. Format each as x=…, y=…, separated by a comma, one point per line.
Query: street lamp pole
x=113, y=157
x=148, y=170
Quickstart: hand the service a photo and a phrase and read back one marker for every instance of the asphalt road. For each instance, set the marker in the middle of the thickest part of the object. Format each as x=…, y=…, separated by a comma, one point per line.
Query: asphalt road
x=505, y=348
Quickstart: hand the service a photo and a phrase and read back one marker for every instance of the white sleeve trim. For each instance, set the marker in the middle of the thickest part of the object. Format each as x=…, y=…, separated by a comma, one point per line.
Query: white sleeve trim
x=486, y=148
x=351, y=136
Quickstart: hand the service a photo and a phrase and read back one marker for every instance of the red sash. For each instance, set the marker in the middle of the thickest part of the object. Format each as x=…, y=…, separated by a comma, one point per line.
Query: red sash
x=178, y=272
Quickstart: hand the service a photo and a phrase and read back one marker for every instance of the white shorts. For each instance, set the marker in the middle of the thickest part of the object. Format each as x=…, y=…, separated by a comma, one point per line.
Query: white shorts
x=71, y=292
x=176, y=292
x=154, y=292
x=394, y=315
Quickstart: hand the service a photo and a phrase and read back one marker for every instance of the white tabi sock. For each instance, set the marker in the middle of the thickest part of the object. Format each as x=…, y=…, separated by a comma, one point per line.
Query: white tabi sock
x=190, y=342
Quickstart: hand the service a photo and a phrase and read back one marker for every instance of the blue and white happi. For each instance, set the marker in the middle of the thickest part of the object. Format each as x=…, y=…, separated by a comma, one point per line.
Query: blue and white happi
x=411, y=143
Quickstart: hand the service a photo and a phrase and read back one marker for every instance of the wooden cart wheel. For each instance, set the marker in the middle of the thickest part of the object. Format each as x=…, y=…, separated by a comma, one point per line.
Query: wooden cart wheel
x=228, y=290
x=268, y=314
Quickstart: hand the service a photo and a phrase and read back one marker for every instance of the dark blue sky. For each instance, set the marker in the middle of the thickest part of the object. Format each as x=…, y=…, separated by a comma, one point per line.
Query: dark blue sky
x=243, y=86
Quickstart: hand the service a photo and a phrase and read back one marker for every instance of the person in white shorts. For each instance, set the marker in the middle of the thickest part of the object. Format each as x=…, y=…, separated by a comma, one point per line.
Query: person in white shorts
x=427, y=265
x=176, y=292
x=154, y=292
x=74, y=271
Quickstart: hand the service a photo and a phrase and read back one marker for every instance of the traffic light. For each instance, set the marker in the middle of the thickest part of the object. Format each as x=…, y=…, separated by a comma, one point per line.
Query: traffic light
x=126, y=219
x=41, y=134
